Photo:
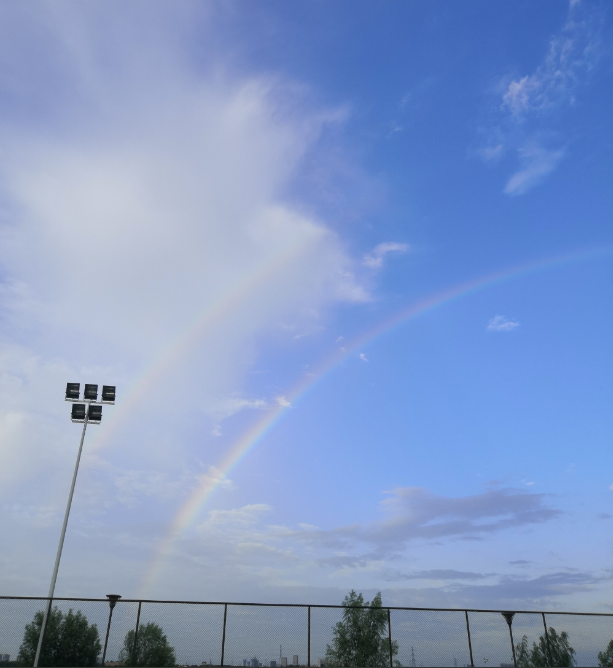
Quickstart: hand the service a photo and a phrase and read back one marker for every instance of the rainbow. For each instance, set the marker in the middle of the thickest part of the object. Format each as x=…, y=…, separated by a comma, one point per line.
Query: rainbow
x=254, y=435
x=205, y=321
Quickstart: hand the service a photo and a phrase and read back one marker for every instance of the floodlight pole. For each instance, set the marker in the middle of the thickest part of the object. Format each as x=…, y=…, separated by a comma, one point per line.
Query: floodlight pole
x=61, y=545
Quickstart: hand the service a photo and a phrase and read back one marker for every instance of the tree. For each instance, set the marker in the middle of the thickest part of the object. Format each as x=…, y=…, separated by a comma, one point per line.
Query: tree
x=606, y=658
x=360, y=639
x=69, y=640
x=152, y=648
x=557, y=653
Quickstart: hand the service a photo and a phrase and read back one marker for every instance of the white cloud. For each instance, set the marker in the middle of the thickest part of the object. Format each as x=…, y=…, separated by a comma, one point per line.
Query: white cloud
x=501, y=324
x=537, y=163
x=282, y=401
x=142, y=226
x=611, y=487
x=374, y=259
x=363, y=357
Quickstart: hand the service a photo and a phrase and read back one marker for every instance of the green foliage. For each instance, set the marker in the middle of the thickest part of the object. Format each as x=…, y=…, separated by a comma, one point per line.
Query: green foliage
x=558, y=653
x=361, y=638
x=152, y=648
x=69, y=640
x=606, y=658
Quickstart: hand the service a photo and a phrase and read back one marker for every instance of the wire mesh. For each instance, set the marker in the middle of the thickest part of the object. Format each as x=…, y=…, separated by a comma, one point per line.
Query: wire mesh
x=265, y=636
x=587, y=634
x=323, y=621
x=274, y=636
x=491, y=641
x=122, y=622
x=14, y=615
x=194, y=631
x=529, y=625
x=430, y=637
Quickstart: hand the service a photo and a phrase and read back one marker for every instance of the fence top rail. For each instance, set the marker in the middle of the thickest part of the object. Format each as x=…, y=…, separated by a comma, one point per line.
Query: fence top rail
x=305, y=605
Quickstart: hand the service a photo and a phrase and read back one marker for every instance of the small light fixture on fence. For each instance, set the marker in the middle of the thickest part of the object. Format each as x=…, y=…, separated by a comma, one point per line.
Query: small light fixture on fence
x=113, y=598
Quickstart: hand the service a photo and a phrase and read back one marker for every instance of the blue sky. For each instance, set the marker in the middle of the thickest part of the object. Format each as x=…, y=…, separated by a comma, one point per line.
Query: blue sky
x=203, y=202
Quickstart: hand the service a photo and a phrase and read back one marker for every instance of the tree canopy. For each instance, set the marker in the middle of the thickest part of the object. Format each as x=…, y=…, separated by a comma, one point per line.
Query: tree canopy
x=152, y=647
x=606, y=658
x=361, y=639
x=558, y=653
x=69, y=640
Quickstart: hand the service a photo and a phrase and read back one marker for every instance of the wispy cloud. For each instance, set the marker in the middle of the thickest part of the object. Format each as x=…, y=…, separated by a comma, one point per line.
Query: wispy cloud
x=417, y=514
x=363, y=357
x=435, y=574
x=501, y=324
x=374, y=259
x=528, y=102
x=537, y=163
x=570, y=57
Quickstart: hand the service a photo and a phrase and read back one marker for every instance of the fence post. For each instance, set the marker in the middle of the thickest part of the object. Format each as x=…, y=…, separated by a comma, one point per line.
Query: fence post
x=549, y=660
x=223, y=635
x=309, y=638
x=134, y=652
x=389, y=636
x=470, y=645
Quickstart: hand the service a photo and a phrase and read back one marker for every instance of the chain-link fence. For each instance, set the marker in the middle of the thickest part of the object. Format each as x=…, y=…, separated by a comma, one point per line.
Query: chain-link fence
x=189, y=633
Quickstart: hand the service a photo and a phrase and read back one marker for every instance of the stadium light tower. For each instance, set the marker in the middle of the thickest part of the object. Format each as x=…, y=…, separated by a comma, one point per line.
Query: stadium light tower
x=86, y=413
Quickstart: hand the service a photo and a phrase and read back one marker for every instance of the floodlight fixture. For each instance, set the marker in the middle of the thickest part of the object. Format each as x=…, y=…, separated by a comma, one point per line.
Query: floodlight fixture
x=90, y=411
x=108, y=394
x=78, y=413
x=91, y=392
x=72, y=391
x=94, y=413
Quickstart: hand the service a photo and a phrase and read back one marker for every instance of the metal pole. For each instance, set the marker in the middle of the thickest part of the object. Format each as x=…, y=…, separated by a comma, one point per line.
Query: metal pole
x=512, y=645
x=113, y=598
x=389, y=636
x=61, y=545
x=309, y=638
x=509, y=619
x=470, y=645
x=223, y=637
x=549, y=659
x=134, y=653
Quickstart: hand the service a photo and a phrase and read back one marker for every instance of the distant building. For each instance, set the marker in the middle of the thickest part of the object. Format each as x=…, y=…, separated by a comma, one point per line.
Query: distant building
x=320, y=663
x=5, y=657
x=295, y=660
x=273, y=664
x=283, y=661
